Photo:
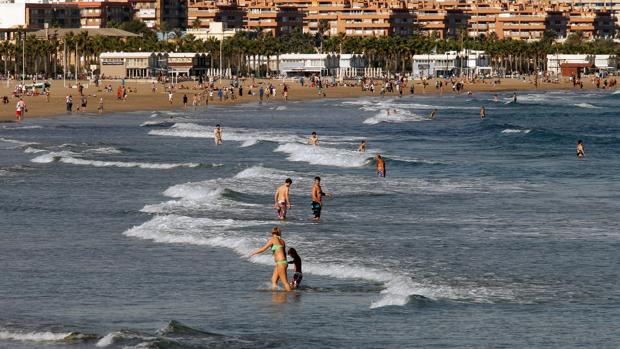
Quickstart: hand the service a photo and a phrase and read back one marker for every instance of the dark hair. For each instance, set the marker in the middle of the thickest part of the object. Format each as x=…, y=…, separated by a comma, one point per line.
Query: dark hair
x=218, y=125
x=292, y=252
x=317, y=178
x=579, y=141
x=288, y=180
x=313, y=133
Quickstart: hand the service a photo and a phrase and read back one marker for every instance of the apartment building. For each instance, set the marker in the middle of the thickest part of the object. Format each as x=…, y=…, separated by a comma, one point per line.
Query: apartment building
x=98, y=14
x=36, y=15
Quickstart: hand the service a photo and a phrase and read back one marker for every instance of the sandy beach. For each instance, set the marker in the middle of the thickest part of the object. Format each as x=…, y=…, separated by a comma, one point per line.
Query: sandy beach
x=142, y=98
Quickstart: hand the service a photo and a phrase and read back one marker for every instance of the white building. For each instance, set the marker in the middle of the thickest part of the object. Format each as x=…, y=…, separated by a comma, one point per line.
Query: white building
x=451, y=63
x=12, y=15
x=121, y=65
x=606, y=62
x=341, y=65
x=216, y=30
x=555, y=61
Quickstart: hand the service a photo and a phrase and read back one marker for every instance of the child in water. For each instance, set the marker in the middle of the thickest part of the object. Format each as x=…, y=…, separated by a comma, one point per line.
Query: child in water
x=297, y=276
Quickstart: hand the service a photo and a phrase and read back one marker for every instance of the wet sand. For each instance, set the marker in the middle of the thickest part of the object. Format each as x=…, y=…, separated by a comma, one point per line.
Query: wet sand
x=143, y=99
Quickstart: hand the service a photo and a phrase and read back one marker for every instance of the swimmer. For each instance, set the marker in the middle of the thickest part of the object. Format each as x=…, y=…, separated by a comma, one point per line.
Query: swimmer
x=217, y=134
x=433, y=113
x=380, y=166
x=278, y=249
x=314, y=139
x=362, y=147
x=514, y=97
x=483, y=112
x=297, y=276
x=495, y=98
x=282, y=200
x=317, y=196
x=580, y=152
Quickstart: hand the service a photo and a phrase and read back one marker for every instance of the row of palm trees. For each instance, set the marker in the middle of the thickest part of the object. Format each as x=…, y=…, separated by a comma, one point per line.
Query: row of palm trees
x=246, y=51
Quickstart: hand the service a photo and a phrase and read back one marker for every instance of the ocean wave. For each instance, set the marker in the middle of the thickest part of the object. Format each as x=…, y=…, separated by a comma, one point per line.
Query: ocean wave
x=43, y=336
x=516, y=130
x=324, y=155
x=586, y=105
x=31, y=150
x=70, y=158
x=247, y=137
x=398, y=288
x=157, y=123
x=17, y=143
x=103, y=151
x=394, y=116
x=29, y=127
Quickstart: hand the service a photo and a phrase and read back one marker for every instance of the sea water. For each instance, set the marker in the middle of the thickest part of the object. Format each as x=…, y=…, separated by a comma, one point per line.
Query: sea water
x=133, y=230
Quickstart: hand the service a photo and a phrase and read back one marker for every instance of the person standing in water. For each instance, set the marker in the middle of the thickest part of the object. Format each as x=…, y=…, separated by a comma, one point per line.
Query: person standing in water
x=314, y=139
x=282, y=200
x=297, y=276
x=514, y=97
x=278, y=249
x=580, y=151
x=317, y=198
x=483, y=112
x=380, y=166
x=362, y=147
x=433, y=113
x=217, y=134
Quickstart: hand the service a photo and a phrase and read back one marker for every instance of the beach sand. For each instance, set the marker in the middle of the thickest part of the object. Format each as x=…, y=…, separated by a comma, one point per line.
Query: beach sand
x=143, y=99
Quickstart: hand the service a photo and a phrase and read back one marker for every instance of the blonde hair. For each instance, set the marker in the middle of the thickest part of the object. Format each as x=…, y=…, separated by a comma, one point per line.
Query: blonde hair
x=276, y=231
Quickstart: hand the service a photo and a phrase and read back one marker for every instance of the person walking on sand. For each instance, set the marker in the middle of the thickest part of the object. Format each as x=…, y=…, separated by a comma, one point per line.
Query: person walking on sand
x=317, y=198
x=278, y=249
x=170, y=96
x=483, y=112
x=282, y=200
x=285, y=92
x=69, y=103
x=20, y=109
x=185, y=101
x=217, y=134
x=380, y=166
x=100, y=106
x=580, y=152
x=314, y=139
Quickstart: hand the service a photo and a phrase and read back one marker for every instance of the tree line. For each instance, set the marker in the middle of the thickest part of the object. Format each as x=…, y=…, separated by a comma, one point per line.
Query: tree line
x=392, y=53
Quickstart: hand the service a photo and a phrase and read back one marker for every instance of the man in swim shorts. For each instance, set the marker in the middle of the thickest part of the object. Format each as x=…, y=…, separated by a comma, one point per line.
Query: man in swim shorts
x=380, y=166
x=317, y=196
x=314, y=139
x=282, y=200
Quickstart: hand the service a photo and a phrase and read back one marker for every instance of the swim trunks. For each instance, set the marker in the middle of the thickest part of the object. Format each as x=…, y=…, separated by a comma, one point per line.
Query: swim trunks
x=316, y=209
x=381, y=174
x=297, y=279
x=282, y=210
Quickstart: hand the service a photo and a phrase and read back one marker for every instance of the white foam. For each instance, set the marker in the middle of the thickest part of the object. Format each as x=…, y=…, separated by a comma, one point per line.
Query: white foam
x=247, y=137
x=394, y=116
x=159, y=123
x=103, y=151
x=324, y=155
x=516, y=130
x=46, y=336
x=17, y=142
x=586, y=105
x=31, y=150
x=70, y=158
x=30, y=127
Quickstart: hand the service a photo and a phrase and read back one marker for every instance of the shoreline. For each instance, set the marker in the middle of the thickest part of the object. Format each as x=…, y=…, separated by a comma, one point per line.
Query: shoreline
x=141, y=97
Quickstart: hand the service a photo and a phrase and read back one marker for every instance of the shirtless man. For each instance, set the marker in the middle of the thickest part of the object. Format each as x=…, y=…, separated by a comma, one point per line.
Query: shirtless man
x=217, y=134
x=317, y=196
x=314, y=139
x=433, y=113
x=362, y=147
x=483, y=113
x=282, y=200
x=580, y=151
x=380, y=166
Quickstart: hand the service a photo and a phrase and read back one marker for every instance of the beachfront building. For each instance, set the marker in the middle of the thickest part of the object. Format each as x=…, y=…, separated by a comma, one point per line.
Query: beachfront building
x=295, y=64
x=132, y=65
x=467, y=62
x=98, y=14
x=187, y=64
x=351, y=65
x=569, y=64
